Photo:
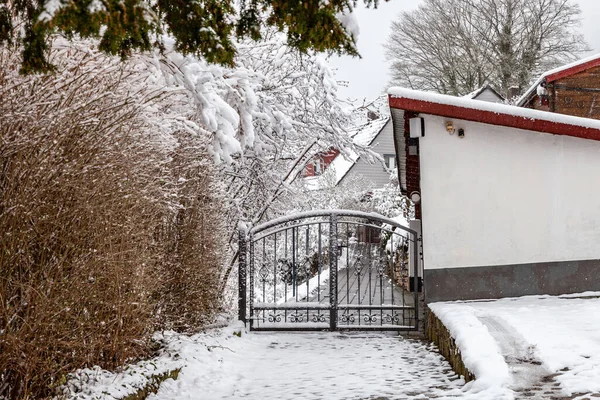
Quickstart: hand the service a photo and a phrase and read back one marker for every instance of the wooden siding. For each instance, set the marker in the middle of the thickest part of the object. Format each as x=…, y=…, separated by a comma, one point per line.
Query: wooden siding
x=375, y=173
x=398, y=126
x=577, y=95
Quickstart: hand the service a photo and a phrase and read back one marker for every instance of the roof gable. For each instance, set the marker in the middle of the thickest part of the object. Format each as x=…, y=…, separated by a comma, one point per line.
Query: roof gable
x=475, y=95
x=364, y=135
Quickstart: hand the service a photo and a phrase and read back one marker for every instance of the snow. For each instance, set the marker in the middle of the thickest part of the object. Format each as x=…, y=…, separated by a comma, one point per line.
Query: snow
x=363, y=136
x=321, y=213
x=494, y=107
x=303, y=290
x=550, y=344
x=350, y=23
x=319, y=365
x=51, y=7
x=480, y=353
x=562, y=333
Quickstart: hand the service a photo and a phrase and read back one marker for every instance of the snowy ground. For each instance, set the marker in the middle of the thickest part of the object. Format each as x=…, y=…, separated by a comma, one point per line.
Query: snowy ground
x=542, y=347
x=285, y=366
x=537, y=347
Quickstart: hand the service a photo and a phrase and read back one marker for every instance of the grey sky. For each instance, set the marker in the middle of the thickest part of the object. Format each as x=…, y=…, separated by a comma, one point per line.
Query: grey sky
x=368, y=77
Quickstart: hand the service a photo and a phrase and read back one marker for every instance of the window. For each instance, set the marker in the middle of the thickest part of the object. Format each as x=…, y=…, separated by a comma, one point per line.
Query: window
x=317, y=166
x=390, y=161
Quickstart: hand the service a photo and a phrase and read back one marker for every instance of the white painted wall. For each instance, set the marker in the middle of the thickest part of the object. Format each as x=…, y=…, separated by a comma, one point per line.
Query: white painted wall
x=507, y=196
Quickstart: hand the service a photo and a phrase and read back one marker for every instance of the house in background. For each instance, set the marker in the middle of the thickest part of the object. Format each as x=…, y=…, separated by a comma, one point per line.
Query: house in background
x=319, y=163
x=486, y=93
x=573, y=89
x=505, y=196
x=374, y=129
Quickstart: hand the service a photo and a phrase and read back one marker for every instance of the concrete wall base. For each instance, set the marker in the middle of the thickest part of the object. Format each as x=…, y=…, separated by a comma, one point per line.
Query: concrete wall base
x=494, y=282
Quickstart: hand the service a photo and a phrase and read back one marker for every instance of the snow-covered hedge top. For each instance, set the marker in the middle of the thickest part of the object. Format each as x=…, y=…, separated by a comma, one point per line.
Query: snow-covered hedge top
x=494, y=107
x=523, y=99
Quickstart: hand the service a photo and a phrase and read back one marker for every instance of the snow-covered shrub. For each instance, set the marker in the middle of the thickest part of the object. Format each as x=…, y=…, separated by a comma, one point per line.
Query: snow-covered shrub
x=101, y=215
x=188, y=285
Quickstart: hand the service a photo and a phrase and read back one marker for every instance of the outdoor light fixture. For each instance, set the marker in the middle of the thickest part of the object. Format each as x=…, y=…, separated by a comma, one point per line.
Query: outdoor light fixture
x=461, y=133
x=417, y=127
x=415, y=197
x=450, y=127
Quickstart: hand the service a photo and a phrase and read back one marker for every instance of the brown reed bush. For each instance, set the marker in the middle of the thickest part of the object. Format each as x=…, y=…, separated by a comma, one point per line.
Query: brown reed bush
x=189, y=293
x=109, y=228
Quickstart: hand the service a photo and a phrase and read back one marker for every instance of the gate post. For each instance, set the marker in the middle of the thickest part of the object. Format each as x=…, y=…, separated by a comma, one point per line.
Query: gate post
x=333, y=269
x=242, y=268
x=416, y=277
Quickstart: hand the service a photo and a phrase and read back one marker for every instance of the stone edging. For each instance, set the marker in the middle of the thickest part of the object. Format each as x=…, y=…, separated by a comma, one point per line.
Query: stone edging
x=438, y=333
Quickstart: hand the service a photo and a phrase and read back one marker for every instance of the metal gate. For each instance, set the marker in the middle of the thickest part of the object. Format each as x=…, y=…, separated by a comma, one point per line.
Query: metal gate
x=328, y=270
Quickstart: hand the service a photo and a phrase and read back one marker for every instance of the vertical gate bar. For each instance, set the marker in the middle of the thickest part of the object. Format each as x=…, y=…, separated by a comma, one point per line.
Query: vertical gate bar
x=307, y=234
x=242, y=275
x=294, y=262
x=307, y=277
x=333, y=270
x=347, y=311
x=287, y=271
x=416, y=278
x=251, y=292
x=275, y=270
x=369, y=240
x=319, y=273
x=393, y=254
x=264, y=265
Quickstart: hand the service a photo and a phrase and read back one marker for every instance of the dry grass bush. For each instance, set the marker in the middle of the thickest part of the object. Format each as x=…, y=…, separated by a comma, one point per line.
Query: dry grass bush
x=98, y=233
x=190, y=273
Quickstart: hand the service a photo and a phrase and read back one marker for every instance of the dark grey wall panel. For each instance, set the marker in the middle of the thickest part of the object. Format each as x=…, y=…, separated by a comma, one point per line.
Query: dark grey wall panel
x=511, y=280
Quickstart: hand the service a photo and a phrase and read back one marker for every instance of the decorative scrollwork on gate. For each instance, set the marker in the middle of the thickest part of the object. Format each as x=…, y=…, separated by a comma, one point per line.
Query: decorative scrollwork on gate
x=297, y=317
x=392, y=318
x=348, y=318
x=263, y=273
x=370, y=318
x=319, y=318
x=274, y=318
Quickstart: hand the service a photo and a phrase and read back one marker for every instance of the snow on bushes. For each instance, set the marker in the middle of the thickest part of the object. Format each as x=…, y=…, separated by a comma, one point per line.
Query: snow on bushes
x=106, y=206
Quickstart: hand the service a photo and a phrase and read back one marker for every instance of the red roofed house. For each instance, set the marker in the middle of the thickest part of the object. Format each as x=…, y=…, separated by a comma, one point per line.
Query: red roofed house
x=506, y=197
x=372, y=129
x=573, y=89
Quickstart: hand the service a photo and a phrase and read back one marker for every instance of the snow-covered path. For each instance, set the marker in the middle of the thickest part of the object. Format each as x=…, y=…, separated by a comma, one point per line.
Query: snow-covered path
x=541, y=347
x=313, y=366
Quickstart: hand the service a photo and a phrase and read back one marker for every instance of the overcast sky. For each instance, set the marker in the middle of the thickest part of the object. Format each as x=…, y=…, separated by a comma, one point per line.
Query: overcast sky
x=368, y=77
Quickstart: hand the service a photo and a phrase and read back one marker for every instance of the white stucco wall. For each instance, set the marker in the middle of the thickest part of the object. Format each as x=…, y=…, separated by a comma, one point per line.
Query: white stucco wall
x=507, y=196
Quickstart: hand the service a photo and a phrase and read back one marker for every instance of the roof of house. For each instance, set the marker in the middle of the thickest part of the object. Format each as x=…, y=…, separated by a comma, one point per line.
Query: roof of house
x=476, y=93
x=494, y=113
x=559, y=73
x=362, y=135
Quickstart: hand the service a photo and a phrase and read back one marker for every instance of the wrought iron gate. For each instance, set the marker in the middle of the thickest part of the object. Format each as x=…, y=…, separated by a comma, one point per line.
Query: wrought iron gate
x=328, y=270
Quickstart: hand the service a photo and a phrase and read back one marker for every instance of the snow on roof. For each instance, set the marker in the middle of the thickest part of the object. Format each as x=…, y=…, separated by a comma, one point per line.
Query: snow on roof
x=560, y=72
x=474, y=94
x=362, y=135
x=493, y=113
